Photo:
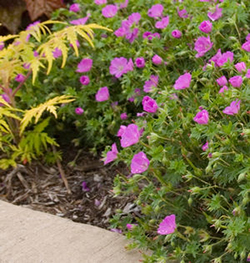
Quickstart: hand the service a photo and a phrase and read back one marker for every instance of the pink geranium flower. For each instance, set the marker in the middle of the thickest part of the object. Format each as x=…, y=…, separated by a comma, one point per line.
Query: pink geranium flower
x=80, y=21
x=182, y=13
x=151, y=83
x=246, y=46
x=241, y=66
x=85, y=65
x=140, y=62
x=124, y=116
x=20, y=77
x=233, y=108
x=216, y=15
x=206, y=26
x=111, y=155
x=236, y=81
x=74, y=8
x=157, y=60
x=202, y=117
x=167, y=226
x=248, y=74
x=139, y=163
x=222, y=81
x=183, y=81
x=109, y=11
x=121, y=130
x=163, y=23
x=84, y=80
x=149, y=104
x=223, y=89
x=120, y=66
x=202, y=46
x=57, y=52
x=130, y=135
x=102, y=94
x=100, y=2
x=205, y=146
x=176, y=33
x=79, y=111
x=155, y=11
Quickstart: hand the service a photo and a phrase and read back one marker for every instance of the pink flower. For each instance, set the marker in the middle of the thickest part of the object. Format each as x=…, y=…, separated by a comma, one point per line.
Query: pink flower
x=224, y=58
x=74, y=8
x=131, y=226
x=127, y=28
x=155, y=11
x=124, y=4
x=109, y=11
x=206, y=26
x=130, y=135
x=85, y=65
x=183, y=81
x=202, y=117
x=19, y=78
x=205, y=146
x=111, y=155
x=79, y=111
x=100, y=2
x=176, y=33
x=1, y=45
x=26, y=65
x=151, y=83
x=140, y=62
x=80, y=21
x=221, y=81
x=157, y=60
x=121, y=130
x=84, y=80
x=216, y=15
x=162, y=23
x=167, y=226
x=6, y=98
x=149, y=104
x=241, y=66
x=182, y=13
x=233, y=108
x=150, y=35
x=120, y=66
x=223, y=89
x=124, y=116
x=139, y=163
x=116, y=230
x=246, y=46
x=85, y=187
x=102, y=94
x=248, y=37
x=248, y=74
x=202, y=46
x=236, y=81
x=57, y=53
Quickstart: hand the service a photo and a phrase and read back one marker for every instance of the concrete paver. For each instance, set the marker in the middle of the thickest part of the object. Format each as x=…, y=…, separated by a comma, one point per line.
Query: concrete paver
x=28, y=236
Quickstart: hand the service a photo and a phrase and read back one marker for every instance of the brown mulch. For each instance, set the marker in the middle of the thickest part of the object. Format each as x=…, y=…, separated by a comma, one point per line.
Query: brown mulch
x=91, y=200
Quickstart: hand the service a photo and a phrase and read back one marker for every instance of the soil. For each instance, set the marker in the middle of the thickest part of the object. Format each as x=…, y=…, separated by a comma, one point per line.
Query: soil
x=89, y=198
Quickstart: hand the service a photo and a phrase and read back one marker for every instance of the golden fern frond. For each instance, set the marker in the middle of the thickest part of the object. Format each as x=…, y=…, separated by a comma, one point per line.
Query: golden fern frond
x=95, y=26
x=50, y=105
x=81, y=32
x=8, y=37
x=5, y=103
x=4, y=127
x=72, y=38
x=47, y=50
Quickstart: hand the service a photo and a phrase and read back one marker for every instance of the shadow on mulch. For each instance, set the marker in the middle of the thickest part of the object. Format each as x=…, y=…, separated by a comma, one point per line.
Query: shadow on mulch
x=41, y=188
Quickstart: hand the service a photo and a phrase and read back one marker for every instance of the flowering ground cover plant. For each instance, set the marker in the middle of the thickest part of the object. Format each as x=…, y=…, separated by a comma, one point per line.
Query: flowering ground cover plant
x=168, y=91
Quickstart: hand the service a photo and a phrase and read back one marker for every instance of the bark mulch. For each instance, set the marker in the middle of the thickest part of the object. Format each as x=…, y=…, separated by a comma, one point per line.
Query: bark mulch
x=90, y=201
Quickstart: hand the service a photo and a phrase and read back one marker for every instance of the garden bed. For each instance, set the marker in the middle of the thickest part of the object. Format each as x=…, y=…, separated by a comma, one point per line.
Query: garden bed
x=41, y=188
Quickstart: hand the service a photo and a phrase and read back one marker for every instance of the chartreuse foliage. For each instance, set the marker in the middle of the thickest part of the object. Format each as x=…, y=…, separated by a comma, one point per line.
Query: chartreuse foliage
x=22, y=130
x=206, y=186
